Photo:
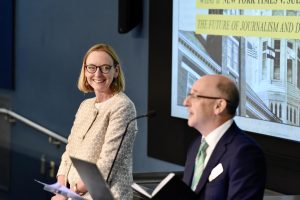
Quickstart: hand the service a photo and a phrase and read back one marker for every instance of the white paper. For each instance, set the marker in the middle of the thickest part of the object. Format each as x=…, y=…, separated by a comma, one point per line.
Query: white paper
x=163, y=183
x=156, y=190
x=141, y=190
x=57, y=188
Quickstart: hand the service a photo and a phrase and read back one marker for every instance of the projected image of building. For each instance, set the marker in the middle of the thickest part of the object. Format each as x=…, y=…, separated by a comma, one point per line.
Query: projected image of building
x=265, y=69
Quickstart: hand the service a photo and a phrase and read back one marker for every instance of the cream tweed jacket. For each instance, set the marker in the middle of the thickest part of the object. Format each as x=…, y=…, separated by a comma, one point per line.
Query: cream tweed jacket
x=95, y=137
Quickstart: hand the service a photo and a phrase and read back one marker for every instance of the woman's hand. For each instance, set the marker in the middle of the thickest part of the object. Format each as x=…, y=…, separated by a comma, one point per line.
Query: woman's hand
x=59, y=197
x=60, y=180
x=79, y=187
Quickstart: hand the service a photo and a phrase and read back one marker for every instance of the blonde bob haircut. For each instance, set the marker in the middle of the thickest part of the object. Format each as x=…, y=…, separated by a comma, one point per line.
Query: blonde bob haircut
x=118, y=84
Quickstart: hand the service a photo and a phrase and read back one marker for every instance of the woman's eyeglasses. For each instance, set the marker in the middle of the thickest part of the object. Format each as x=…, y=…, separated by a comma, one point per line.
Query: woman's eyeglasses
x=105, y=68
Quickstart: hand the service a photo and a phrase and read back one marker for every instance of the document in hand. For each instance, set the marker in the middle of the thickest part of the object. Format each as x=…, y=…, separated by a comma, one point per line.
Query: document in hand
x=171, y=187
x=57, y=188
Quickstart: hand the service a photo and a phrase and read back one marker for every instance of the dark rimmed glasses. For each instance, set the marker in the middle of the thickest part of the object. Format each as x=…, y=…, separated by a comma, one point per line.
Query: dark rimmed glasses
x=104, y=69
x=195, y=96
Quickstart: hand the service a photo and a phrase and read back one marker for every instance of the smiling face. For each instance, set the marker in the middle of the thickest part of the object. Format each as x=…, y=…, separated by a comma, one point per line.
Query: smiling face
x=101, y=83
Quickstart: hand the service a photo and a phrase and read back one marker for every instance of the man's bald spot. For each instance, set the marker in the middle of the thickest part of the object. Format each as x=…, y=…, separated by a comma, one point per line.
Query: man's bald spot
x=224, y=87
x=219, y=82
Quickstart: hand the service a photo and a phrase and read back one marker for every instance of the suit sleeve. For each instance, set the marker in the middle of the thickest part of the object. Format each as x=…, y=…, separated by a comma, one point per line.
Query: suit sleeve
x=247, y=174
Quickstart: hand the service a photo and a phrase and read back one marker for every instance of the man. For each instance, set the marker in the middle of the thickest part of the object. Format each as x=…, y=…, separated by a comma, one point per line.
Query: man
x=231, y=165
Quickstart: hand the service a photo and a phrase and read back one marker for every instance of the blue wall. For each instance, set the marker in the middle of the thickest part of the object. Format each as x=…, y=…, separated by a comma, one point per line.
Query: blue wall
x=51, y=37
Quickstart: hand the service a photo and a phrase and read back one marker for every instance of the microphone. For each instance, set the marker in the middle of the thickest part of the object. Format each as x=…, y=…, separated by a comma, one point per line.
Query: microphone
x=148, y=114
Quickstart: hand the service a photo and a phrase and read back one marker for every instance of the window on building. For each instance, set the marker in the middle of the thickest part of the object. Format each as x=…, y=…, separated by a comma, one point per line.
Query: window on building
x=264, y=67
x=235, y=63
x=229, y=53
x=277, y=44
x=290, y=70
x=271, y=107
x=276, y=70
x=265, y=44
x=290, y=44
x=276, y=74
x=280, y=111
x=232, y=54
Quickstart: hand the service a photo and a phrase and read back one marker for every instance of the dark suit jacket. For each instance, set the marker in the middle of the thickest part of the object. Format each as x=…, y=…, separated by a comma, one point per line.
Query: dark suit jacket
x=244, y=170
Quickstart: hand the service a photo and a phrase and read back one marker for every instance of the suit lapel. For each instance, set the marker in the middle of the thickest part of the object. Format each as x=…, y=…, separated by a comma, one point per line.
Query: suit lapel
x=216, y=156
x=190, y=163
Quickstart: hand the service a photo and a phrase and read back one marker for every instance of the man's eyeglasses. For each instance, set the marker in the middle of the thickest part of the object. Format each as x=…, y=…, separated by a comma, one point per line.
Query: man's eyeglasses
x=195, y=96
x=105, y=68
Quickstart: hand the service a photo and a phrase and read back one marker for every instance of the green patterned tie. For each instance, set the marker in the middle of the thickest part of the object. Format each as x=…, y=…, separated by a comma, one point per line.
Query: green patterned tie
x=199, y=164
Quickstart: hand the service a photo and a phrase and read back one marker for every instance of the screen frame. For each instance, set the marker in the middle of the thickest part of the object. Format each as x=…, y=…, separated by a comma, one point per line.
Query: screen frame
x=169, y=137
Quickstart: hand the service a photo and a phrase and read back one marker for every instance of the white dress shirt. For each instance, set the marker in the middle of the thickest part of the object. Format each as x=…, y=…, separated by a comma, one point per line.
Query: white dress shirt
x=213, y=138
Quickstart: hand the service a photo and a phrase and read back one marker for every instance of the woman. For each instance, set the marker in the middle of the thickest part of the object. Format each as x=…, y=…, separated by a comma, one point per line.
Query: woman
x=99, y=125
